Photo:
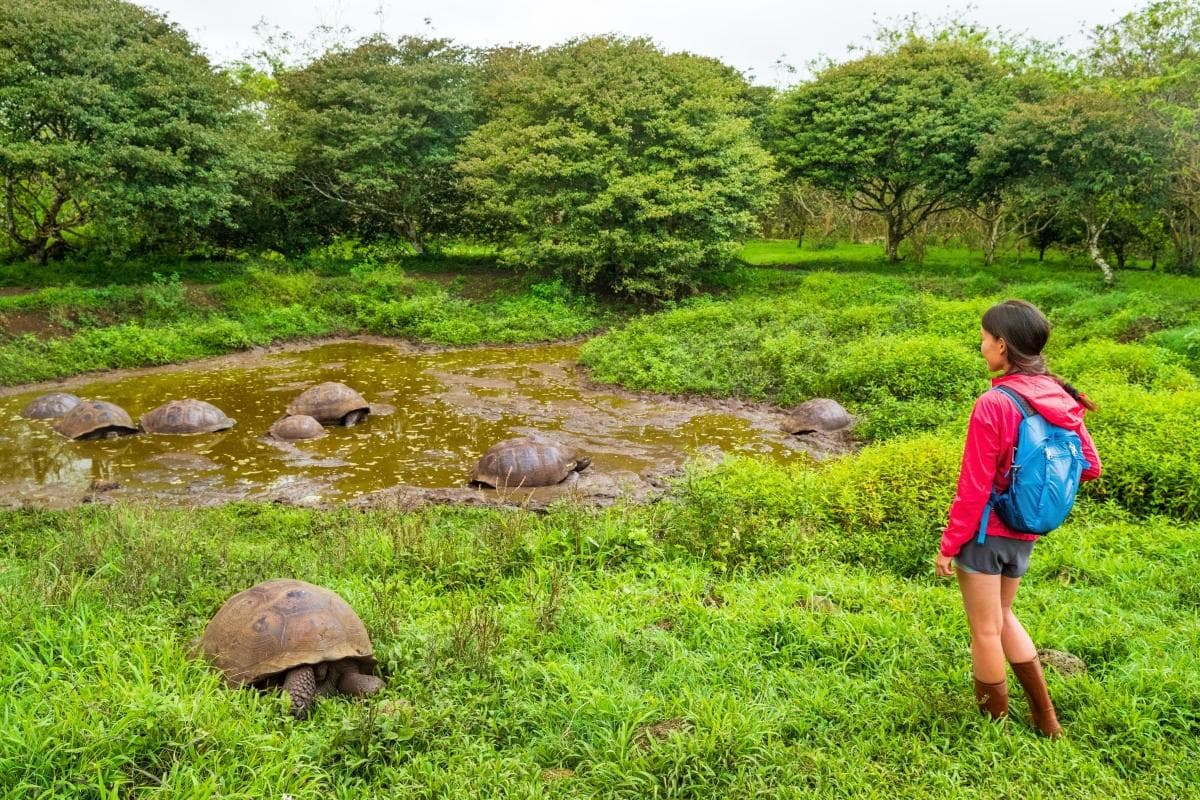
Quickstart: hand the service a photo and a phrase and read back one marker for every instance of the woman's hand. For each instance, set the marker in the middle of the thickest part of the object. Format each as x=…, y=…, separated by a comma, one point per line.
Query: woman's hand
x=945, y=566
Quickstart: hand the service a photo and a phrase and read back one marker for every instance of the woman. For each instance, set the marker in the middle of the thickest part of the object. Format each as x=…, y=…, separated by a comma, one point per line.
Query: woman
x=1013, y=335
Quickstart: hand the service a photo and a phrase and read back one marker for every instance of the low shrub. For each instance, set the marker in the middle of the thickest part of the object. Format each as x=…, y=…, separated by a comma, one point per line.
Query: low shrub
x=1148, y=446
x=904, y=368
x=1142, y=365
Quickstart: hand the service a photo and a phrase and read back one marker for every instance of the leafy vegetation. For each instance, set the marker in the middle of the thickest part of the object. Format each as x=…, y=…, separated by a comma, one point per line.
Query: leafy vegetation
x=616, y=167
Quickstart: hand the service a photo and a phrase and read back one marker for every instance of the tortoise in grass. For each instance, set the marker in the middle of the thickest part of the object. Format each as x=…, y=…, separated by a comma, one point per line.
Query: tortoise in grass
x=186, y=416
x=297, y=427
x=96, y=419
x=292, y=634
x=331, y=403
x=527, y=462
x=50, y=406
x=819, y=415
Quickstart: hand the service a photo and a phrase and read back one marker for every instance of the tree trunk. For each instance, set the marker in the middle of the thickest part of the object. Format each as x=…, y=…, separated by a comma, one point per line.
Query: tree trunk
x=895, y=235
x=991, y=238
x=1094, y=231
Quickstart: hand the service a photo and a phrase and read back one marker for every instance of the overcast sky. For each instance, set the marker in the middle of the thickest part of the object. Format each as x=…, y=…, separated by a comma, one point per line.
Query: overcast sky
x=752, y=35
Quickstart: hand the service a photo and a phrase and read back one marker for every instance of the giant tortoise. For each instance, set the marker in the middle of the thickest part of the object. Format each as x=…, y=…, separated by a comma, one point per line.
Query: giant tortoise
x=297, y=427
x=527, y=461
x=331, y=403
x=50, y=406
x=819, y=415
x=186, y=416
x=96, y=419
x=291, y=633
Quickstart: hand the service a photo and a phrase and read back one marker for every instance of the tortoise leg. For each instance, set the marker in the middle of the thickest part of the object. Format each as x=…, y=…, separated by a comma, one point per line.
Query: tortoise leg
x=301, y=684
x=357, y=683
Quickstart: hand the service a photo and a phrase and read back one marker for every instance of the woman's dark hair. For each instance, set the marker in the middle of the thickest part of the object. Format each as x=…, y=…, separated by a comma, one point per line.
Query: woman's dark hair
x=1025, y=331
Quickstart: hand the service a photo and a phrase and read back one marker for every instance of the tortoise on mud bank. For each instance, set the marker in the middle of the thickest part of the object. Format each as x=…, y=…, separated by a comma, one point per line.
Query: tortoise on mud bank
x=186, y=416
x=527, y=462
x=296, y=428
x=331, y=403
x=96, y=419
x=819, y=415
x=50, y=406
x=291, y=633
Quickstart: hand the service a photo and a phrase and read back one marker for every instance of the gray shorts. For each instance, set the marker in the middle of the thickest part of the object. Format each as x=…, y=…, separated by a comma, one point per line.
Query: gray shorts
x=998, y=555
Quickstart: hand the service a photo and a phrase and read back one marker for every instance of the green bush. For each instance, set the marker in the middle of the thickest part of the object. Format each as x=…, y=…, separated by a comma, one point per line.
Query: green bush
x=1142, y=365
x=1181, y=341
x=905, y=368
x=1148, y=445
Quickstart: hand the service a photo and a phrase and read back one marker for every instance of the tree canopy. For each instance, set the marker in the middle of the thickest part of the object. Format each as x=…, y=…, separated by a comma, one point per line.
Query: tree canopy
x=113, y=128
x=616, y=166
x=894, y=131
x=376, y=128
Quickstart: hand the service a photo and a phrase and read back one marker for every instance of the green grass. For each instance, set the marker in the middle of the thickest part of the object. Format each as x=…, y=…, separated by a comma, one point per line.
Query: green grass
x=514, y=643
x=526, y=653
x=166, y=321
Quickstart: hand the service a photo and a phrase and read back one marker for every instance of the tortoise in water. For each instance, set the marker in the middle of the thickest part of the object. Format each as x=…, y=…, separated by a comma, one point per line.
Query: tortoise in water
x=50, y=406
x=186, y=416
x=330, y=403
x=819, y=415
x=291, y=633
x=96, y=419
x=296, y=427
x=527, y=462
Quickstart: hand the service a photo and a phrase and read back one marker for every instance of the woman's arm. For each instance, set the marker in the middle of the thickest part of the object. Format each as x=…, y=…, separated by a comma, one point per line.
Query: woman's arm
x=976, y=475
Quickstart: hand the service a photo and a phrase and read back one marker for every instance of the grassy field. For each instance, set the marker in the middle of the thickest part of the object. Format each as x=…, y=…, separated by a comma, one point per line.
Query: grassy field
x=761, y=632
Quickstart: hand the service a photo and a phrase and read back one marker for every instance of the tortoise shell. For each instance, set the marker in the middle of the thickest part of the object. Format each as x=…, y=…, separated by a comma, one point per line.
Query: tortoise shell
x=330, y=402
x=526, y=462
x=281, y=624
x=95, y=419
x=186, y=416
x=818, y=415
x=50, y=406
x=297, y=427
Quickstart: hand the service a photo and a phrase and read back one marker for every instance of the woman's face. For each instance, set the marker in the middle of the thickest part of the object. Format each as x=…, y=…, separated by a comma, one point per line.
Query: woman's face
x=994, y=351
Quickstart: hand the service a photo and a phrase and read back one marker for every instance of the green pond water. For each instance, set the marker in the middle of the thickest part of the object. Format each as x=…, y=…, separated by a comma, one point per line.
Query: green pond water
x=447, y=408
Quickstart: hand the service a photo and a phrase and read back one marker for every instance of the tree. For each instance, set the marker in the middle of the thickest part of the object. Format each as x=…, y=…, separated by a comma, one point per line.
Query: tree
x=112, y=128
x=1087, y=152
x=1153, y=56
x=616, y=166
x=375, y=129
x=894, y=131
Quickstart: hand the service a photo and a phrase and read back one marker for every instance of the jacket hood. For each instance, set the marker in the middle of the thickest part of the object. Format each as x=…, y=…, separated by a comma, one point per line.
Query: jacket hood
x=1047, y=397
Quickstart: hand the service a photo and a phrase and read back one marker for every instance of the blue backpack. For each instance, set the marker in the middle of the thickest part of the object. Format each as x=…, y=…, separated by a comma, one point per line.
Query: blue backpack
x=1047, y=462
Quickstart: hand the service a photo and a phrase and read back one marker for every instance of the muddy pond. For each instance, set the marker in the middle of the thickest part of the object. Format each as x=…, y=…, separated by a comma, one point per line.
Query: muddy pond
x=433, y=414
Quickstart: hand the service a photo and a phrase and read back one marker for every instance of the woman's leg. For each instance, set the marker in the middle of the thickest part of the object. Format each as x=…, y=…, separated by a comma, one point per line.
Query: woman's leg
x=985, y=615
x=1021, y=653
x=1018, y=647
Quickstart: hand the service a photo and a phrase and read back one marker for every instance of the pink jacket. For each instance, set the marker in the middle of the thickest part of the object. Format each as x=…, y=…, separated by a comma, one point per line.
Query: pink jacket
x=991, y=437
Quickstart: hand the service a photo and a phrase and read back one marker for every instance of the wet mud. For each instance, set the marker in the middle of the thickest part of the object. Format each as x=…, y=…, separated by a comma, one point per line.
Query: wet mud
x=434, y=412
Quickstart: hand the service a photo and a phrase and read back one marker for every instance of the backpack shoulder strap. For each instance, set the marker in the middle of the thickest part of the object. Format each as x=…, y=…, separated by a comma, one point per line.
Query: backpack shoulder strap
x=1022, y=404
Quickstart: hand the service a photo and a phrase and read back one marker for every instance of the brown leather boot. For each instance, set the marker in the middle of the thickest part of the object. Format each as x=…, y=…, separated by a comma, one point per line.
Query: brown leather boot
x=1033, y=681
x=992, y=698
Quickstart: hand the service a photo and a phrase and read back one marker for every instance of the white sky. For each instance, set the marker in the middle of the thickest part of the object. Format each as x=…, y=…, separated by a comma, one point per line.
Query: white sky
x=751, y=35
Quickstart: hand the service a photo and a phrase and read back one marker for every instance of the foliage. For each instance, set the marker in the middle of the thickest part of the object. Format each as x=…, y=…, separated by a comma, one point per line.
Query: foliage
x=893, y=131
x=115, y=129
x=823, y=673
x=375, y=129
x=1083, y=151
x=615, y=167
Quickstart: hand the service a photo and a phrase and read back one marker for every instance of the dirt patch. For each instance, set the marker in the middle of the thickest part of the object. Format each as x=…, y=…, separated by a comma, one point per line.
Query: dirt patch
x=38, y=323
x=645, y=736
